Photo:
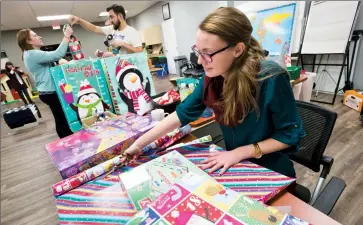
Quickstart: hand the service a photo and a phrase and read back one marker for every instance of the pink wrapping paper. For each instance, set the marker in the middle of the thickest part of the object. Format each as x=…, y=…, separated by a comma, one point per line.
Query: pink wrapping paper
x=105, y=167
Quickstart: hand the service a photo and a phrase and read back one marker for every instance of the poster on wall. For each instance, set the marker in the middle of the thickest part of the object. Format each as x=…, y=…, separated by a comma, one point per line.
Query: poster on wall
x=273, y=28
x=82, y=90
x=131, y=84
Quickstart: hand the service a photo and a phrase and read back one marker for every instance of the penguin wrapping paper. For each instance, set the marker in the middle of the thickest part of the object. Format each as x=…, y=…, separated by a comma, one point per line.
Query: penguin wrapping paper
x=97, y=144
x=82, y=90
x=131, y=84
x=200, y=200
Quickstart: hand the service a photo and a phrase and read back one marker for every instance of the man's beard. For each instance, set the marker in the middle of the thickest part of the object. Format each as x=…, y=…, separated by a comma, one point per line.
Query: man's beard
x=117, y=25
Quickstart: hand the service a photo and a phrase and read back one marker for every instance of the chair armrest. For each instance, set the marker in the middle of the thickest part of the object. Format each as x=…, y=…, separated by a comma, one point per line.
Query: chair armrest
x=218, y=139
x=327, y=163
x=330, y=195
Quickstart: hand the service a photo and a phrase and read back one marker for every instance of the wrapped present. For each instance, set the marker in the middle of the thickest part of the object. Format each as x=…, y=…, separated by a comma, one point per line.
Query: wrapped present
x=169, y=97
x=155, y=177
x=196, y=200
x=104, y=196
x=110, y=165
x=82, y=90
x=130, y=83
x=99, y=143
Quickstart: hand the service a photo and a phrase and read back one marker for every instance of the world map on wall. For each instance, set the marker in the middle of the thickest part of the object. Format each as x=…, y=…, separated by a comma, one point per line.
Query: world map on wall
x=273, y=28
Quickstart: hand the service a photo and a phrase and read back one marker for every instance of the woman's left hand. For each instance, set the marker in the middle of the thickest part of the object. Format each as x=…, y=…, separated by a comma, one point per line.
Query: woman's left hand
x=223, y=160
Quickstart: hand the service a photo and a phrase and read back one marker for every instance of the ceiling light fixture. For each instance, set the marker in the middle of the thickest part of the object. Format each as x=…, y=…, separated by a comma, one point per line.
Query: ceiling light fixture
x=58, y=17
x=104, y=14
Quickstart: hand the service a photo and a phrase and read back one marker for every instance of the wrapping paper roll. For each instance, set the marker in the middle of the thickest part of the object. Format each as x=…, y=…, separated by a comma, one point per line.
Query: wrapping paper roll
x=110, y=165
x=167, y=140
x=307, y=87
x=297, y=91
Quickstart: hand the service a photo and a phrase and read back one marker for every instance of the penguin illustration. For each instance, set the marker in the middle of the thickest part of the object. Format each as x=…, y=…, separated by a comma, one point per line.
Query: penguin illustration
x=89, y=102
x=134, y=91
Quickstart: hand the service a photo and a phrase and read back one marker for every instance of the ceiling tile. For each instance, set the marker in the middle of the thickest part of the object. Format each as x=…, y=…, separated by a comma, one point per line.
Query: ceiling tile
x=49, y=8
x=4, y=28
x=27, y=11
x=22, y=17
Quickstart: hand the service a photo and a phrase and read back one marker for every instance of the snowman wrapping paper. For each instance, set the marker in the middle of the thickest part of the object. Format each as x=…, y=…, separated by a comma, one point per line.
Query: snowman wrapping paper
x=82, y=90
x=130, y=83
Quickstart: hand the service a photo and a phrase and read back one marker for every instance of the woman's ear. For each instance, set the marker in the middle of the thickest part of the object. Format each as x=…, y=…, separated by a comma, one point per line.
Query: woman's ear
x=28, y=41
x=239, y=49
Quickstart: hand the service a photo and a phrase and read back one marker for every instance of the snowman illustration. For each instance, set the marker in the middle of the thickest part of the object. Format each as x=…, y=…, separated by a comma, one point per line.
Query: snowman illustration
x=89, y=102
x=133, y=89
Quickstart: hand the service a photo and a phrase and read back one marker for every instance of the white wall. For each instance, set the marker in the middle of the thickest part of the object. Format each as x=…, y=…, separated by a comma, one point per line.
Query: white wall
x=187, y=16
x=327, y=84
x=89, y=41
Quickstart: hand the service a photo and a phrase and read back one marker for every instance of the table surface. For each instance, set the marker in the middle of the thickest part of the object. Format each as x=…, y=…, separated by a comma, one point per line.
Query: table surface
x=298, y=208
x=155, y=69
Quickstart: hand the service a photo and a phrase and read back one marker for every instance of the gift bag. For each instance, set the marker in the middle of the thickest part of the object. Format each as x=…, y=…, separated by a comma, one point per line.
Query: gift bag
x=130, y=83
x=82, y=90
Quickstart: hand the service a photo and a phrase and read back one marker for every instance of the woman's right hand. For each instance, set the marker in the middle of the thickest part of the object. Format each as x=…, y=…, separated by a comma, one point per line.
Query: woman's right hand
x=132, y=153
x=68, y=32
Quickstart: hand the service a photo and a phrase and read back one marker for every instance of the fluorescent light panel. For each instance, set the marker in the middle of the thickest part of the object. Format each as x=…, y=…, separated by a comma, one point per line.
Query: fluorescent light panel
x=102, y=14
x=57, y=17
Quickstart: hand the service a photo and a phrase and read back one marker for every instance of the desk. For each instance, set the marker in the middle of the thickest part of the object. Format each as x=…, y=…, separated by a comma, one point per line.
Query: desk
x=302, y=210
x=298, y=208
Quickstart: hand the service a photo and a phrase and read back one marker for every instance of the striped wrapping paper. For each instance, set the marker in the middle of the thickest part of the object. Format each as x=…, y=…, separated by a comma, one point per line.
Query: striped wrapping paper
x=102, y=201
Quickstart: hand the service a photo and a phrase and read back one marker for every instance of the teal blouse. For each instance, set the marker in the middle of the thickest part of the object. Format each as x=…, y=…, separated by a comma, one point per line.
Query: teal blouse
x=278, y=118
x=38, y=62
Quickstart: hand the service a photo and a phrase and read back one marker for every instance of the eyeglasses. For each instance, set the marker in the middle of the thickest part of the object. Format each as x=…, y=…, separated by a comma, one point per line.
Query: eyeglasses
x=206, y=56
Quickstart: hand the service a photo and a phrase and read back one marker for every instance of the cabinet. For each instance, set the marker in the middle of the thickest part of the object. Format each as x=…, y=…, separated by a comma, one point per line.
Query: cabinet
x=152, y=35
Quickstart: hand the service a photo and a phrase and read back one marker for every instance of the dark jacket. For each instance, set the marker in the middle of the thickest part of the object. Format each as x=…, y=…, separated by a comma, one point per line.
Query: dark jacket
x=13, y=81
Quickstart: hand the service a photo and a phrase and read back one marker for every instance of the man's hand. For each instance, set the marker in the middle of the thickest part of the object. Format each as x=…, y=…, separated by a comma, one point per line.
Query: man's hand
x=107, y=54
x=73, y=20
x=117, y=43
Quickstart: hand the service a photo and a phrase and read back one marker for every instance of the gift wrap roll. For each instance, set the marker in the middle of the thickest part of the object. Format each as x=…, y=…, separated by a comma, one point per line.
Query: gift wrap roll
x=307, y=87
x=297, y=90
x=103, y=168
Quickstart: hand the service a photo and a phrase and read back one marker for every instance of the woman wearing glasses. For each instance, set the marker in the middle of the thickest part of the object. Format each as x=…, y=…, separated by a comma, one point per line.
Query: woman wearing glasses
x=252, y=98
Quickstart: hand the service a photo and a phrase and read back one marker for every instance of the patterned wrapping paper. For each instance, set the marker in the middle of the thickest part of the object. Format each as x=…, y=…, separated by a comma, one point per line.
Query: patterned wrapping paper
x=155, y=177
x=97, y=144
x=102, y=201
x=96, y=171
x=199, y=200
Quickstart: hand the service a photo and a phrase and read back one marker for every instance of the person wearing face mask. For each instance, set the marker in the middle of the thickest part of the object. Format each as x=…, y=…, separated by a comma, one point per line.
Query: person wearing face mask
x=125, y=38
x=17, y=82
x=252, y=98
x=38, y=63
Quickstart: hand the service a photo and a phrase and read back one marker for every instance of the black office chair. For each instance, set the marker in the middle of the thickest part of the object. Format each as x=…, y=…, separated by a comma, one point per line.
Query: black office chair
x=318, y=123
x=193, y=69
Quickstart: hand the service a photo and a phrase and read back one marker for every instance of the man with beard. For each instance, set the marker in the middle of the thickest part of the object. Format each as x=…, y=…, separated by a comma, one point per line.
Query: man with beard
x=125, y=38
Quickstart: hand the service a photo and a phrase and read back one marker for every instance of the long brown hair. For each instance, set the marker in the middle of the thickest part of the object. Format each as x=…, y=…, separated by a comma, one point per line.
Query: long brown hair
x=23, y=37
x=240, y=92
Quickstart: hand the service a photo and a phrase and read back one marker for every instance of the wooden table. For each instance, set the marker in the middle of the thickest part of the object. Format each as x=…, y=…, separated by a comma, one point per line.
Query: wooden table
x=302, y=210
x=299, y=208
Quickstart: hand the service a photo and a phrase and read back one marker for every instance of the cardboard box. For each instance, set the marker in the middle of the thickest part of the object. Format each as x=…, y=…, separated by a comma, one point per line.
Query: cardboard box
x=82, y=89
x=353, y=99
x=99, y=143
